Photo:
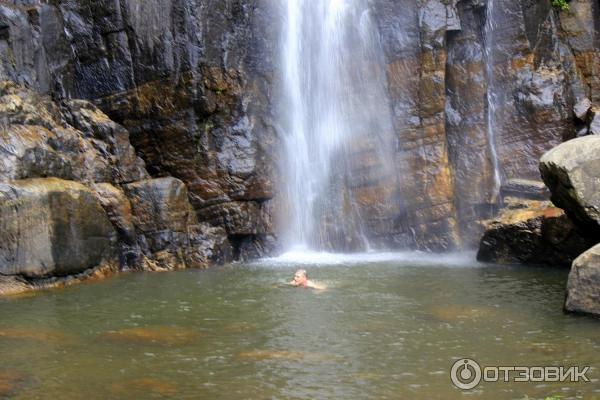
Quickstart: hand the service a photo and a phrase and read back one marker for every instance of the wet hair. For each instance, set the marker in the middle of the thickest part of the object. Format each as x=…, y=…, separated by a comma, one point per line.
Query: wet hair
x=303, y=272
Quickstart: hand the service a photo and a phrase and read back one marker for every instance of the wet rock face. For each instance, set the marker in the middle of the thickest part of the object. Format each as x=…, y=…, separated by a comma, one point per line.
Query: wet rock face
x=52, y=227
x=532, y=232
x=76, y=202
x=466, y=125
x=77, y=142
x=583, y=295
x=572, y=171
x=413, y=39
x=441, y=74
x=191, y=82
x=168, y=227
x=188, y=79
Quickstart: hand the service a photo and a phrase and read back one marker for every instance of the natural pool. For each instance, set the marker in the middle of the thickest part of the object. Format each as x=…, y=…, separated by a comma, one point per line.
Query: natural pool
x=389, y=326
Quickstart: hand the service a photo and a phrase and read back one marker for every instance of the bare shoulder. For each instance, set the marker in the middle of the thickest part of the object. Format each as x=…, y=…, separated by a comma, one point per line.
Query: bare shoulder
x=317, y=286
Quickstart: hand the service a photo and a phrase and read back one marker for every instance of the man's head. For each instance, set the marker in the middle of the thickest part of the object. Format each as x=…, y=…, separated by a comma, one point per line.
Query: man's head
x=300, y=278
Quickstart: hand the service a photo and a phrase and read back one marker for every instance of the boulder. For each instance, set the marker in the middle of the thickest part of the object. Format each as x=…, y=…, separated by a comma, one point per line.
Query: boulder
x=583, y=287
x=572, y=173
x=76, y=142
x=168, y=228
x=52, y=227
x=13, y=285
x=532, y=232
x=159, y=205
x=118, y=209
x=96, y=127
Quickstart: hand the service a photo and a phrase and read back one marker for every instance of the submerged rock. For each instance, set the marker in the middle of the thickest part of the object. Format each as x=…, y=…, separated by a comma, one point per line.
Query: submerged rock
x=457, y=312
x=10, y=383
x=144, y=387
x=572, y=173
x=583, y=287
x=36, y=334
x=154, y=335
x=52, y=227
x=532, y=232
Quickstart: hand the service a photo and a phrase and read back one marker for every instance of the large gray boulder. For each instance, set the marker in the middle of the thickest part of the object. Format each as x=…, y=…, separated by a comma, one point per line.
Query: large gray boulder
x=583, y=287
x=572, y=173
x=52, y=227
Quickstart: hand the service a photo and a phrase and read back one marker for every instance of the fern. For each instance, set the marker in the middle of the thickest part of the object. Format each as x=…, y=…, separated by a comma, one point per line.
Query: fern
x=560, y=4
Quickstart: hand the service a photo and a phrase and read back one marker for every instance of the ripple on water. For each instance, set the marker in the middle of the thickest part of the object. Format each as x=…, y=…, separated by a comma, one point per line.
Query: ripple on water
x=386, y=331
x=264, y=355
x=459, y=312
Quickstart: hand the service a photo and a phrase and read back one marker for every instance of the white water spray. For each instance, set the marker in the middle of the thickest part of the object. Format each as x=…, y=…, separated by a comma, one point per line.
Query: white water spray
x=335, y=105
x=489, y=42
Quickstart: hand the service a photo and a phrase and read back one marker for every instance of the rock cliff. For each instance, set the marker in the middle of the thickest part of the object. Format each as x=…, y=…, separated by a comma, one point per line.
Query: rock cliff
x=182, y=89
x=75, y=200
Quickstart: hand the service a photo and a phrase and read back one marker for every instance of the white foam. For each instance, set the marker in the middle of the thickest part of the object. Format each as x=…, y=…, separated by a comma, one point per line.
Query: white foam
x=301, y=256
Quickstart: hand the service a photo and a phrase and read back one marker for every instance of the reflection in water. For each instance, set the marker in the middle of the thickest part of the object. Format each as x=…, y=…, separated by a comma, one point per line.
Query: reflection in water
x=386, y=329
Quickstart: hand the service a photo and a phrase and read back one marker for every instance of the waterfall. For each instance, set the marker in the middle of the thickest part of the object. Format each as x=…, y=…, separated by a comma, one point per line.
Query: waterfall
x=492, y=98
x=335, y=121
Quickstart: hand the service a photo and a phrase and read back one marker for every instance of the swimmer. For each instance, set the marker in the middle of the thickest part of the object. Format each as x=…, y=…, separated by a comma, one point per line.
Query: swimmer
x=301, y=280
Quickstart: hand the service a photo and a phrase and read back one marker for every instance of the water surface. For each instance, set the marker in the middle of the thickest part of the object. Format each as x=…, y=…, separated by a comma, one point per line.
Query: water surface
x=389, y=326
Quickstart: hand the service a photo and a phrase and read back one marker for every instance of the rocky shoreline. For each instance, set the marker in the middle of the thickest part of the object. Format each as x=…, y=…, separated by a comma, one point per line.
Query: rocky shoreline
x=531, y=232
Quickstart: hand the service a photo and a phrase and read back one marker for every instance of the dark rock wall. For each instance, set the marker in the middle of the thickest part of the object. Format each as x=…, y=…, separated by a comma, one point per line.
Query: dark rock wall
x=192, y=82
x=75, y=198
x=414, y=41
x=466, y=121
x=439, y=81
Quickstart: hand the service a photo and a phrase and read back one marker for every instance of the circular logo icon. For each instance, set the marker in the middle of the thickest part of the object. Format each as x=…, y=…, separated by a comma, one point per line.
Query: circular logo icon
x=465, y=374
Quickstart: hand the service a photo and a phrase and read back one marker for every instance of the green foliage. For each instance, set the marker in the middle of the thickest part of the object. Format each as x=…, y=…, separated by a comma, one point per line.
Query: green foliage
x=555, y=397
x=564, y=6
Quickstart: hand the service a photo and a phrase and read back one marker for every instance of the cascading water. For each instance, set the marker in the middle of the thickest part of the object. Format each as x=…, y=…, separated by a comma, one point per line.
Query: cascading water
x=492, y=98
x=336, y=121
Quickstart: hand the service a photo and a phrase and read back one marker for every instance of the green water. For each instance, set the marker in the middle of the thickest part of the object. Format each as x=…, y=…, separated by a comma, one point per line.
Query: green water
x=385, y=328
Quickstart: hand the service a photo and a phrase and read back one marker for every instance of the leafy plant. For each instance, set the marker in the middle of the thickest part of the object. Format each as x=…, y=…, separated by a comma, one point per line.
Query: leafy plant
x=564, y=6
x=555, y=397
